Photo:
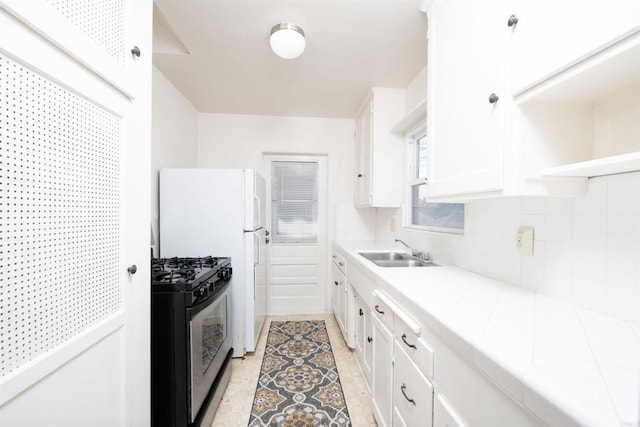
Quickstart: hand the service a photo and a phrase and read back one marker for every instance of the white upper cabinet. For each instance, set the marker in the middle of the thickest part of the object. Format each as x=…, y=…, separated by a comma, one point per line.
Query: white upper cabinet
x=465, y=107
x=379, y=152
x=567, y=78
x=552, y=35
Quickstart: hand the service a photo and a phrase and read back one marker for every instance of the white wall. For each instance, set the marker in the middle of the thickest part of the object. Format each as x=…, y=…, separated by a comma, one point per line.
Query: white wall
x=416, y=91
x=239, y=141
x=174, y=136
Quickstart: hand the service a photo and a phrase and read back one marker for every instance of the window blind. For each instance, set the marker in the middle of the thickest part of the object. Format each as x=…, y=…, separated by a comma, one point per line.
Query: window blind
x=294, y=201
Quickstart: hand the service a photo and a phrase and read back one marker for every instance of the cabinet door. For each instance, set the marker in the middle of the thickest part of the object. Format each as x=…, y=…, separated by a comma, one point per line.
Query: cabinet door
x=467, y=42
x=342, y=306
x=412, y=392
x=75, y=144
x=349, y=314
x=368, y=345
x=382, y=374
x=363, y=180
x=335, y=292
x=551, y=35
x=363, y=338
x=443, y=414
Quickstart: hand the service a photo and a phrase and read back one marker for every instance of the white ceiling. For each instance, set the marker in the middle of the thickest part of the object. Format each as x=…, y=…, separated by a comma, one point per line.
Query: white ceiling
x=216, y=52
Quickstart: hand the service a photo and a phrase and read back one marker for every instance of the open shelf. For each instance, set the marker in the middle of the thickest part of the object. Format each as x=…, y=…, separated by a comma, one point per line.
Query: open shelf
x=587, y=118
x=598, y=167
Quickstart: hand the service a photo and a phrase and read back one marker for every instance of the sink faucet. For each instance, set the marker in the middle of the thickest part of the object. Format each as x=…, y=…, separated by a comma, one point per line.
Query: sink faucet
x=415, y=253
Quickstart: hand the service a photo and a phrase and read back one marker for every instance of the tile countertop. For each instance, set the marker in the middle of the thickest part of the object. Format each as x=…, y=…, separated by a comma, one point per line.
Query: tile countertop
x=568, y=365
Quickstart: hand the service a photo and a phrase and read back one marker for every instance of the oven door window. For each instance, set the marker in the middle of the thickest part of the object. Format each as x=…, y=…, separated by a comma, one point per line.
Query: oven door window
x=214, y=332
x=210, y=343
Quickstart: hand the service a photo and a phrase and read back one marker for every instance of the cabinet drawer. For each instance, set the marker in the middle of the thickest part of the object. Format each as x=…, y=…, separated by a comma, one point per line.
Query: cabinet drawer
x=443, y=415
x=340, y=261
x=382, y=312
x=412, y=391
x=417, y=349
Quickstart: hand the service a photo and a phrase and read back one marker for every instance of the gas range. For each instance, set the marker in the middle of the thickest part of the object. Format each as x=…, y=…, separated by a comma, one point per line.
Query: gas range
x=191, y=339
x=198, y=278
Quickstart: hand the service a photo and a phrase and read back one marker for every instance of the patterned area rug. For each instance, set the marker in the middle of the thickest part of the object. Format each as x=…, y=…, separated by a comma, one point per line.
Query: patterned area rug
x=298, y=384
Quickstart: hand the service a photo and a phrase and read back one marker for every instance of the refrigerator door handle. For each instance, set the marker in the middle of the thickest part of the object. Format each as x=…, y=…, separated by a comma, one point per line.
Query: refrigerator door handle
x=256, y=206
x=256, y=254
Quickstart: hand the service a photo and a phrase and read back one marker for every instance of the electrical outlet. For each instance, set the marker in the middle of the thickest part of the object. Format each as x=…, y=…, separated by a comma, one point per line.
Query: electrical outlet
x=524, y=240
x=392, y=224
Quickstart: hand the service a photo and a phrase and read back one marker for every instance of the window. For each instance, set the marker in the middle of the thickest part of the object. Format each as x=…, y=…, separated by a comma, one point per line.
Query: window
x=446, y=217
x=294, y=197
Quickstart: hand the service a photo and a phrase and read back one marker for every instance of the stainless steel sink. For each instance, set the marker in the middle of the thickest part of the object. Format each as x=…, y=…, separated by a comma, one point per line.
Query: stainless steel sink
x=396, y=259
x=385, y=256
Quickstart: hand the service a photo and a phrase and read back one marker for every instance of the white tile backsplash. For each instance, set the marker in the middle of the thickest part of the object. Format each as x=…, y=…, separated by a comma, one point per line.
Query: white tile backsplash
x=353, y=223
x=586, y=250
x=595, y=201
x=623, y=231
x=623, y=194
x=558, y=228
x=590, y=230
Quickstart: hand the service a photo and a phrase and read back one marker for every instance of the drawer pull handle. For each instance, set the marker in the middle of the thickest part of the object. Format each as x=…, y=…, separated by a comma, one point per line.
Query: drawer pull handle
x=404, y=340
x=513, y=20
x=361, y=312
x=369, y=339
x=377, y=307
x=402, y=389
x=336, y=283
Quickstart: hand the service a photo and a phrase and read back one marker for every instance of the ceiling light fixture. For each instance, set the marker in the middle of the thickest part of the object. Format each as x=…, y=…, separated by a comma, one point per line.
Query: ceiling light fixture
x=287, y=40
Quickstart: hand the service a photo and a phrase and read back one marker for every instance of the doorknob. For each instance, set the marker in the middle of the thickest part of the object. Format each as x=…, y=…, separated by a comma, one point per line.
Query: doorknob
x=132, y=269
x=267, y=240
x=266, y=232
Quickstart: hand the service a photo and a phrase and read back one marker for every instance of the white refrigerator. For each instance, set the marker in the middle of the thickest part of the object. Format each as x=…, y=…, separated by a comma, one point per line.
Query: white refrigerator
x=220, y=212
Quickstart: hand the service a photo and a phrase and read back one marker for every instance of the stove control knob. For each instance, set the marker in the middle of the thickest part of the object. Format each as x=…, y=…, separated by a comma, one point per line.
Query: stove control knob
x=202, y=291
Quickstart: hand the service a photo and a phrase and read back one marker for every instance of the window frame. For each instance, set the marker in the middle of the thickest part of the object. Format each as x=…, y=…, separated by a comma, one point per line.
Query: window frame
x=411, y=180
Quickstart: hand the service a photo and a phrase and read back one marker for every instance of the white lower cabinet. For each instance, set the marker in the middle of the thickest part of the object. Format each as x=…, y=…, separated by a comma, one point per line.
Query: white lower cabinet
x=444, y=415
x=338, y=281
x=363, y=338
x=415, y=378
x=412, y=392
x=382, y=384
x=343, y=300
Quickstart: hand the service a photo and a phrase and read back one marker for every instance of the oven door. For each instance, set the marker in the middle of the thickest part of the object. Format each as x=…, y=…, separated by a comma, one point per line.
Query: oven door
x=210, y=341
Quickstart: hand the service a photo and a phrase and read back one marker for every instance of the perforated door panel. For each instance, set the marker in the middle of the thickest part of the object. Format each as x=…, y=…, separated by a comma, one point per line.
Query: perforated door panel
x=60, y=202
x=103, y=21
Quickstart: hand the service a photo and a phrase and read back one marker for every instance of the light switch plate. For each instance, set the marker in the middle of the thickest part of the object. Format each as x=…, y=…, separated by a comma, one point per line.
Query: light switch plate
x=524, y=240
x=392, y=224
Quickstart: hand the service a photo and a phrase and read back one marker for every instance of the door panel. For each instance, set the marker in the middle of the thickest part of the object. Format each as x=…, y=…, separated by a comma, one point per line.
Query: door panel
x=72, y=137
x=296, y=272
x=77, y=381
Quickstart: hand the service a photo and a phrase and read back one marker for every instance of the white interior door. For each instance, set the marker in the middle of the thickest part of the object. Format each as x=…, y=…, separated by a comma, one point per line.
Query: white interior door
x=75, y=142
x=296, y=268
